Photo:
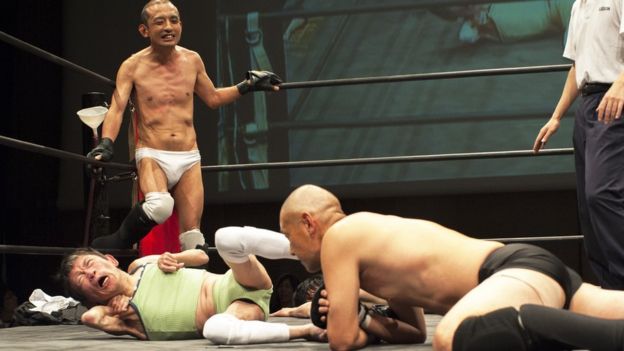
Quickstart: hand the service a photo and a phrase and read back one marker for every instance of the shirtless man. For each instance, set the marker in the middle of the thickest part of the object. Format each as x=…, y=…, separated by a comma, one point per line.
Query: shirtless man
x=162, y=79
x=167, y=301
x=477, y=285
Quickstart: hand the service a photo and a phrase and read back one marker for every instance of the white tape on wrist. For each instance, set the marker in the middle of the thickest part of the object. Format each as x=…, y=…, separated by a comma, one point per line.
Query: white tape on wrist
x=364, y=316
x=366, y=321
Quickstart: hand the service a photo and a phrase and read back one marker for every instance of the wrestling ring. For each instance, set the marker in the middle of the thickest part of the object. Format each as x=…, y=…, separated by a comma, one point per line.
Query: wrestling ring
x=75, y=337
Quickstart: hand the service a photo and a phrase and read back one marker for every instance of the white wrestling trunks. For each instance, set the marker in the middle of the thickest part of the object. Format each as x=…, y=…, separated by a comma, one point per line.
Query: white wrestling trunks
x=173, y=163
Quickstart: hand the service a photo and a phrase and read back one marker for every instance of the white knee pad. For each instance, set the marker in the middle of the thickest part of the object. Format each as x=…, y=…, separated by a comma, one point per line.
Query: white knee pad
x=235, y=244
x=158, y=206
x=225, y=329
x=190, y=239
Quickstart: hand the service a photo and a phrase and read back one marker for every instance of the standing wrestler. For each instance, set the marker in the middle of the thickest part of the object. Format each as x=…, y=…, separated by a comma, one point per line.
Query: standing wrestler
x=487, y=291
x=162, y=79
x=594, y=43
x=161, y=298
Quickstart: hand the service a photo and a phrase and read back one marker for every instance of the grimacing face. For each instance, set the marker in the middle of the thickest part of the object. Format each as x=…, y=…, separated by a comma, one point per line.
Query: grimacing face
x=95, y=277
x=164, y=27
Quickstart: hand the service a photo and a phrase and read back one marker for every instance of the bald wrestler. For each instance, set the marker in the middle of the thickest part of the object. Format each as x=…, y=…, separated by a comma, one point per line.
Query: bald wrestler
x=162, y=299
x=477, y=285
x=162, y=80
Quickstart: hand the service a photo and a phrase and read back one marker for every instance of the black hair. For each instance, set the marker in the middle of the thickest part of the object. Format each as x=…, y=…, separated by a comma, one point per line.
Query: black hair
x=67, y=264
x=145, y=15
x=306, y=289
x=277, y=296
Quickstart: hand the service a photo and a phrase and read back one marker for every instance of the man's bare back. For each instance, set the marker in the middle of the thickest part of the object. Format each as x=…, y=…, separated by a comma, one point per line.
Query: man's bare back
x=406, y=260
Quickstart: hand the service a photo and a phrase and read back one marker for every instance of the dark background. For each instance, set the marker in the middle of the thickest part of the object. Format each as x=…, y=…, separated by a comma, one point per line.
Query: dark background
x=43, y=197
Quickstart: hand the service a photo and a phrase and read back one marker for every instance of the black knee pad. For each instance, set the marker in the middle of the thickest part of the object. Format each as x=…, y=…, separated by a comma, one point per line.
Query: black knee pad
x=556, y=329
x=497, y=330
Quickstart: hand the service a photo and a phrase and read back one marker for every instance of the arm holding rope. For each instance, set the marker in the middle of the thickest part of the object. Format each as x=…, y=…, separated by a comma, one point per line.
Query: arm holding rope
x=216, y=97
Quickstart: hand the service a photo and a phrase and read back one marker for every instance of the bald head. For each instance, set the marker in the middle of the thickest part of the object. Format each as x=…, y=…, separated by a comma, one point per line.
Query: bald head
x=305, y=217
x=314, y=200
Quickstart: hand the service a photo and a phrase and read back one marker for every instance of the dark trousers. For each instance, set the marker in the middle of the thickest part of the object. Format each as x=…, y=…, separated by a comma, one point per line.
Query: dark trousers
x=599, y=160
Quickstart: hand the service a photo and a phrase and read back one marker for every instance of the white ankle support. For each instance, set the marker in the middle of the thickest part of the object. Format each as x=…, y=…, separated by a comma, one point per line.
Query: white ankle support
x=190, y=239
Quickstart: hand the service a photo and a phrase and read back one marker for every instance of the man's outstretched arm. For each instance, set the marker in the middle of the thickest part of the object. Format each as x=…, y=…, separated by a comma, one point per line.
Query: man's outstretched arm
x=205, y=89
x=217, y=97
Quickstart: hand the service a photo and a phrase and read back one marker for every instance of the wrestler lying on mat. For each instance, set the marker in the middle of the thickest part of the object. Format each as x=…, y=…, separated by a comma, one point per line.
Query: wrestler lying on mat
x=162, y=299
x=488, y=292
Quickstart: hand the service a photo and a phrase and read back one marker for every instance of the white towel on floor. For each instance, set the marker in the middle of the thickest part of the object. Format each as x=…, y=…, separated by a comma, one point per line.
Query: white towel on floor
x=48, y=304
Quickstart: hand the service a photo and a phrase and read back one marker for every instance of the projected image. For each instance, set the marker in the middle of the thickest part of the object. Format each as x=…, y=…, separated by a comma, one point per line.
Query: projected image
x=309, y=40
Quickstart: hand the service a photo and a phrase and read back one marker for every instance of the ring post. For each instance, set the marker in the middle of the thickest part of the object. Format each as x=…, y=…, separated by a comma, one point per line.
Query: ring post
x=96, y=202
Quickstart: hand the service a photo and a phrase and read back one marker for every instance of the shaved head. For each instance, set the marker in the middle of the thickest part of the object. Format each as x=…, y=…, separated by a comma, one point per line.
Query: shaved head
x=308, y=212
x=311, y=199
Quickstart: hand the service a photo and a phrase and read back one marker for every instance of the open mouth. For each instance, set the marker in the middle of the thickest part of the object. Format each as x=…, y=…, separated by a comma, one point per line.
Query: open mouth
x=168, y=37
x=102, y=281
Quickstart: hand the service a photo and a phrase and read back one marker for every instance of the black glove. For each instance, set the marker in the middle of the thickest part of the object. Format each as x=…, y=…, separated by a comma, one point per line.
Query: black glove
x=383, y=310
x=104, y=149
x=258, y=80
x=315, y=315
